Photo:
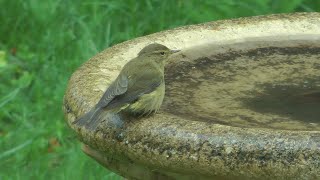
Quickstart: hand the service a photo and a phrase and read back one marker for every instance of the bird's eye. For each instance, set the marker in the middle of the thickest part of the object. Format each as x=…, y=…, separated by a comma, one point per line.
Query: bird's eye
x=162, y=53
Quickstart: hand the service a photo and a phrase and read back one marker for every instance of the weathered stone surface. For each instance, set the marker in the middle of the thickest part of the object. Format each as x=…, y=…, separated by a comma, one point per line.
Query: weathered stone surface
x=242, y=100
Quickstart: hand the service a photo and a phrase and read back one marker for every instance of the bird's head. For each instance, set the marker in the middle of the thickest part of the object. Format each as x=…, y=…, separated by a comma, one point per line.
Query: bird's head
x=157, y=52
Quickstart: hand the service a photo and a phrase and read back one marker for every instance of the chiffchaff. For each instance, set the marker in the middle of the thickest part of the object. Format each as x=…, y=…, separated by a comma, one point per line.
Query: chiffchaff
x=138, y=89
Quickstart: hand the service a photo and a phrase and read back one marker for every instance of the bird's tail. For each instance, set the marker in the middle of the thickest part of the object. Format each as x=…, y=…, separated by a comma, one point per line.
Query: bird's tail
x=91, y=119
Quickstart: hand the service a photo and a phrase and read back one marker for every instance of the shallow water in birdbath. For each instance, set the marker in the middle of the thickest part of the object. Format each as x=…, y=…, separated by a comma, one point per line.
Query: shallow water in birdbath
x=251, y=84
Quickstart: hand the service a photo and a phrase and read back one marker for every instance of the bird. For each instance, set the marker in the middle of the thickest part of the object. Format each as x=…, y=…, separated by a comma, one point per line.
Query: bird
x=138, y=89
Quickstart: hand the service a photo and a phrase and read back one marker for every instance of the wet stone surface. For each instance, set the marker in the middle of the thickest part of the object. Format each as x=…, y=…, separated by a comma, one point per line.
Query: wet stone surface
x=267, y=87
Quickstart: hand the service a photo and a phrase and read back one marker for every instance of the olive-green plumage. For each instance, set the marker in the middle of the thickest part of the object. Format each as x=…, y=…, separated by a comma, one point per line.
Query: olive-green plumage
x=139, y=88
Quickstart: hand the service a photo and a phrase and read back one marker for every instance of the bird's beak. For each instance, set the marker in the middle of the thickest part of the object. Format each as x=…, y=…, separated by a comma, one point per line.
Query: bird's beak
x=175, y=51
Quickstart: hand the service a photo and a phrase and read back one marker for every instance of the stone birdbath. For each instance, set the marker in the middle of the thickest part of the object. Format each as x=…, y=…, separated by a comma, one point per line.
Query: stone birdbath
x=242, y=101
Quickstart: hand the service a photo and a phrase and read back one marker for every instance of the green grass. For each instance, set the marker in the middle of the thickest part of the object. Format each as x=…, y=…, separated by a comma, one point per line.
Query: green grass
x=45, y=41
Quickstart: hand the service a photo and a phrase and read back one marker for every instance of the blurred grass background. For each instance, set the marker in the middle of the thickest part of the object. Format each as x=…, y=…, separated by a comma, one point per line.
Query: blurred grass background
x=43, y=42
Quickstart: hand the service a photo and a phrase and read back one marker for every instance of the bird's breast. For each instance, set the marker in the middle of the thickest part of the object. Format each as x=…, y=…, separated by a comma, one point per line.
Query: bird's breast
x=149, y=102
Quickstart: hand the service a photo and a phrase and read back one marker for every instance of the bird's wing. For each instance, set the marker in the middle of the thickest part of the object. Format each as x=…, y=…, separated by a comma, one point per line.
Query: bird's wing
x=118, y=87
x=144, y=83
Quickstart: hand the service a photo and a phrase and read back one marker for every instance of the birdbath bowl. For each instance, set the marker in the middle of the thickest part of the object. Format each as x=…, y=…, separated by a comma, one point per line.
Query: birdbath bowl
x=242, y=101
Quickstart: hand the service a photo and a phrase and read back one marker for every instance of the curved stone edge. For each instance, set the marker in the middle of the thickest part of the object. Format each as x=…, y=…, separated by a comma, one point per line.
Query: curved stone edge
x=214, y=149
x=229, y=148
